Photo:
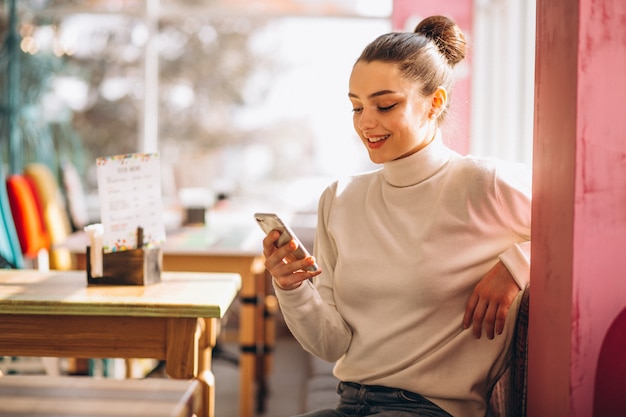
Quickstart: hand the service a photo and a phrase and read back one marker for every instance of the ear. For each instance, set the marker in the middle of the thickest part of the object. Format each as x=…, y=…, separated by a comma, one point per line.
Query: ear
x=438, y=102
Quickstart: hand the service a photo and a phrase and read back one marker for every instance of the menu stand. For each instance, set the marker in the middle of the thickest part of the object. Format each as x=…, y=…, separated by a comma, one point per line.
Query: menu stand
x=141, y=266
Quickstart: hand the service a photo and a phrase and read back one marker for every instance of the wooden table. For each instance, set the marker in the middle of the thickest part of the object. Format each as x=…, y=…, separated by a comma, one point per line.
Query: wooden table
x=57, y=314
x=235, y=248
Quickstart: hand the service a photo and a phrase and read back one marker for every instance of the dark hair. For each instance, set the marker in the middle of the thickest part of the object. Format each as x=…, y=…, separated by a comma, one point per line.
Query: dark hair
x=427, y=55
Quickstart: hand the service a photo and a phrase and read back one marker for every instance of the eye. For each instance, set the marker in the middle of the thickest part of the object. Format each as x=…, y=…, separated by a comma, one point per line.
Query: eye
x=387, y=108
x=357, y=109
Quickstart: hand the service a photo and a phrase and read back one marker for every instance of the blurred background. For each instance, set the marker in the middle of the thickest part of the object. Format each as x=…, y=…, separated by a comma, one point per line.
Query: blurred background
x=245, y=102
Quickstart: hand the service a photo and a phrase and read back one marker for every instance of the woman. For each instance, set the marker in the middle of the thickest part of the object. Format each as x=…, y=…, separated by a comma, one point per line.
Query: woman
x=413, y=254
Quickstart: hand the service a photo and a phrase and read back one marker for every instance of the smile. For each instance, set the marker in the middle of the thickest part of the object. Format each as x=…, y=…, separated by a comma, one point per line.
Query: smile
x=377, y=138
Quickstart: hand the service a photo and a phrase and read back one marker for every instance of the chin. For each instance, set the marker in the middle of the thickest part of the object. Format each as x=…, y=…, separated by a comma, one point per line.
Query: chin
x=379, y=159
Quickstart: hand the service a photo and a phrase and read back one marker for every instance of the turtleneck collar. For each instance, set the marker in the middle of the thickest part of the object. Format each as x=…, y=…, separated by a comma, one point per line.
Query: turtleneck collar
x=419, y=166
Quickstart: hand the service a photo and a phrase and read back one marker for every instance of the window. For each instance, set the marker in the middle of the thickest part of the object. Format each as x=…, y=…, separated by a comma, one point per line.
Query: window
x=245, y=104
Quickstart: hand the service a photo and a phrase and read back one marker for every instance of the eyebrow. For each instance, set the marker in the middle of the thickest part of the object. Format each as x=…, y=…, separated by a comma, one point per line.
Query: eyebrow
x=375, y=94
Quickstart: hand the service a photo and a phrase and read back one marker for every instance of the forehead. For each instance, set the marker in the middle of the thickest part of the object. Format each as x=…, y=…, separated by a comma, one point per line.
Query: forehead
x=370, y=77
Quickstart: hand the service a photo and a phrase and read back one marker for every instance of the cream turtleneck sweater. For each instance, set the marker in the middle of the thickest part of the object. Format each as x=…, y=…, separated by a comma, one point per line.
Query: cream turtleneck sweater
x=401, y=249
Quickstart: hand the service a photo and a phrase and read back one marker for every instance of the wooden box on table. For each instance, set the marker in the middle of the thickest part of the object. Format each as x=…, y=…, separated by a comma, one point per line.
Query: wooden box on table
x=129, y=267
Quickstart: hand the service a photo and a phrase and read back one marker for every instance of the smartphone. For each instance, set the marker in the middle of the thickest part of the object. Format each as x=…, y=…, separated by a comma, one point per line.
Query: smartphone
x=271, y=221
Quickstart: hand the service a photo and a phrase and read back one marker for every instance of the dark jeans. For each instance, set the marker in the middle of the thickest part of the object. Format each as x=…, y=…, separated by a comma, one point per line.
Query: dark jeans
x=371, y=400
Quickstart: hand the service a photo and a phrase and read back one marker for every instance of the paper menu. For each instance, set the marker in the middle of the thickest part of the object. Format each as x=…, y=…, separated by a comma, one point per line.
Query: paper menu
x=129, y=188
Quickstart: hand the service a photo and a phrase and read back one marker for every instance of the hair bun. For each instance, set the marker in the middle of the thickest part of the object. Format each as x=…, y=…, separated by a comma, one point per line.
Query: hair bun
x=447, y=36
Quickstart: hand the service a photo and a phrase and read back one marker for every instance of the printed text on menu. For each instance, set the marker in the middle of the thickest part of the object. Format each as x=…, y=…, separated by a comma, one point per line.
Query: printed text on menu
x=129, y=187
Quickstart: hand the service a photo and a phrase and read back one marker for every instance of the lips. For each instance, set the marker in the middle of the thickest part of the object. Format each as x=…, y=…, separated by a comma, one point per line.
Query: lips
x=376, y=139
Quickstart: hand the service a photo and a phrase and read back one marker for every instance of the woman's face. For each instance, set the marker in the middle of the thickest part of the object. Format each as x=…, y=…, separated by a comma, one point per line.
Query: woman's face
x=391, y=116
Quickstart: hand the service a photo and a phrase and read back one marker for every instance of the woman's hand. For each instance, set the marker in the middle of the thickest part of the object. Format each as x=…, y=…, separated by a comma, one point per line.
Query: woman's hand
x=286, y=270
x=490, y=302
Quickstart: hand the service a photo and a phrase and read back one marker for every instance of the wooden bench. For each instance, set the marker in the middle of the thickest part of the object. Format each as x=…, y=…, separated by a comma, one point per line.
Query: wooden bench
x=41, y=396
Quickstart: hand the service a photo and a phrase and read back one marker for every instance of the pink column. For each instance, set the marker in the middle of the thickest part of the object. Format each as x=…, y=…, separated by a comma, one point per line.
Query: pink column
x=457, y=127
x=579, y=210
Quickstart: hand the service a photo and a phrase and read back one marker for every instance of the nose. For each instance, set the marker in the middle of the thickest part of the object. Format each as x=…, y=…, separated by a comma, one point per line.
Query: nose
x=366, y=120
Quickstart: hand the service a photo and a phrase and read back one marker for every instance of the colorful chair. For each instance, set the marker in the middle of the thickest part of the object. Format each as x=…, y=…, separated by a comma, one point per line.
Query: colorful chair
x=55, y=215
x=28, y=221
x=10, y=251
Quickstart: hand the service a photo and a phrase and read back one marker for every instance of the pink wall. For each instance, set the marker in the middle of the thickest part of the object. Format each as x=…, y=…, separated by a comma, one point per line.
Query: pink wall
x=579, y=210
x=456, y=129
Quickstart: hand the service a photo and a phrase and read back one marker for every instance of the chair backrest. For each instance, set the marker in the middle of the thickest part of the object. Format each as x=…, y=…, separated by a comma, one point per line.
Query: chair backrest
x=610, y=395
x=519, y=361
x=10, y=251
x=27, y=217
x=74, y=196
x=508, y=398
x=55, y=215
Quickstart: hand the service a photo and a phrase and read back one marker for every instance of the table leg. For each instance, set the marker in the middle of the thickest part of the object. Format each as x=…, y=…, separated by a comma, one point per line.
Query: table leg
x=263, y=306
x=265, y=310
x=248, y=345
x=271, y=309
x=205, y=376
x=187, y=359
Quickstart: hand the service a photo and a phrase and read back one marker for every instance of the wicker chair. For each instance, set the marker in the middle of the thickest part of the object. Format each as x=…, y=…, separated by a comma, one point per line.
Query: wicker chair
x=508, y=398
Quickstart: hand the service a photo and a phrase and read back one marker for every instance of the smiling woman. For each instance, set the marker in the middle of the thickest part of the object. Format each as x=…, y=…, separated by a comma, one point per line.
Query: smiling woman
x=451, y=235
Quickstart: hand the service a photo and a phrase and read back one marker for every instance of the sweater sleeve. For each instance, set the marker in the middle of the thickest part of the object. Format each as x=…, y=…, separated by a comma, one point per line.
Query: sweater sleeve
x=309, y=310
x=517, y=261
x=514, y=188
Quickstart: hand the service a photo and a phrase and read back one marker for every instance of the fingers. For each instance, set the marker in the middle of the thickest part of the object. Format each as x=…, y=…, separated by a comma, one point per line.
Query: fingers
x=269, y=243
x=286, y=271
x=477, y=320
x=469, y=310
x=494, y=320
x=475, y=312
x=490, y=301
x=489, y=321
x=501, y=318
x=480, y=313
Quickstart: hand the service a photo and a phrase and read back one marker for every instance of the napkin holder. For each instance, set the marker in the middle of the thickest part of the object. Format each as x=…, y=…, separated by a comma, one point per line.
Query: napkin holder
x=141, y=266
